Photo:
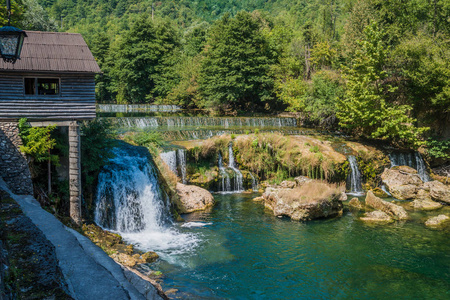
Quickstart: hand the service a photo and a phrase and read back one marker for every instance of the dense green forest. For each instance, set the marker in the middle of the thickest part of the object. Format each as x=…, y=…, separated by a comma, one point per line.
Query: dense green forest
x=381, y=68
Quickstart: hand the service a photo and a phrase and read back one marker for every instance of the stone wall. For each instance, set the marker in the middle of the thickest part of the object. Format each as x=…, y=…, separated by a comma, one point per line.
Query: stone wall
x=13, y=164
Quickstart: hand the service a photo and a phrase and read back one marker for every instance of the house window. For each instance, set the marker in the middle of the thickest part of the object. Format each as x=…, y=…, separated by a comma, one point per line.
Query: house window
x=41, y=86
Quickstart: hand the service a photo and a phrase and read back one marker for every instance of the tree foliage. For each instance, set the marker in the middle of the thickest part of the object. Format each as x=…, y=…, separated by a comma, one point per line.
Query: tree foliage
x=235, y=72
x=37, y=142
x=364, y=109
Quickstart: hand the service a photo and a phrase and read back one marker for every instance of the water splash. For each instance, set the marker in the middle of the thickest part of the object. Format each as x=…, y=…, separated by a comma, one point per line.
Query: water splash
x=354, y=177
x=130, y=201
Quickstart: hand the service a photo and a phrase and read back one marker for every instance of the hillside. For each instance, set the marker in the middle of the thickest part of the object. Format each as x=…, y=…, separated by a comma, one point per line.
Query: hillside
x=381, y=69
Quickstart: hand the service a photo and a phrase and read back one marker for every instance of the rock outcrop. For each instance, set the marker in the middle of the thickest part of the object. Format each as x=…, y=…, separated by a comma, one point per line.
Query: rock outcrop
x=311, y=200
x=423, y=201
x=380, y=193
x=402, y=182
x=377, y=217
x=192, y=198
x=355, y=203
x=391, y=209
x=438, y=191
x=437, y=221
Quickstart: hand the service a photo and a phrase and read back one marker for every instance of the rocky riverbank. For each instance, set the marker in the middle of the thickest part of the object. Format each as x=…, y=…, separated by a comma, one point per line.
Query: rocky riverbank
x=29, y=266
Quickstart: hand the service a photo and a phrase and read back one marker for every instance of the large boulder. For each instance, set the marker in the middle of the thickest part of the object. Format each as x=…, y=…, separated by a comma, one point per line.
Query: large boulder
x=391, y=209
x=438, y=191
x=193, y=198
x=423, y=201
x=425, y=204
x=311, y=200
x=402, y=182
x=377, y=217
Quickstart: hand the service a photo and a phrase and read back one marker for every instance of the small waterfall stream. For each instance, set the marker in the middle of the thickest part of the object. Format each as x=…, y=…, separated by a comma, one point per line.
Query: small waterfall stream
x=226, y=183
x=130, y=201
x=176, y=160
x=410, y=159
x=170, y=158
x=254, y=182
x=181, y=155
x=354, y=177
x=238, y=178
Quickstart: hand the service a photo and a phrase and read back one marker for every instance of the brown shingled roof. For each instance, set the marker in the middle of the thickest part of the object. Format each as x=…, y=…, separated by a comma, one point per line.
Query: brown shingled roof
x=54, y=51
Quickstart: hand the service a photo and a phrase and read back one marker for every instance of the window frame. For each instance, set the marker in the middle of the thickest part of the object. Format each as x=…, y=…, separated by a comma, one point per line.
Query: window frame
x=36, y=94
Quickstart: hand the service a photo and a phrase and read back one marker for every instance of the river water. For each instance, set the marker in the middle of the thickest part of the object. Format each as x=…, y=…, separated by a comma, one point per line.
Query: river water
x=244, y=252
x=239, y=250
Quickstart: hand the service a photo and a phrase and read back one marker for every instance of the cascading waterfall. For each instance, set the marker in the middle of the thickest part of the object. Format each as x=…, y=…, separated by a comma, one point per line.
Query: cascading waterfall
x=354, y=177
x=238, y=178
x=226, y=183
x=410, y=159
x=130, y=201
x=181, y=154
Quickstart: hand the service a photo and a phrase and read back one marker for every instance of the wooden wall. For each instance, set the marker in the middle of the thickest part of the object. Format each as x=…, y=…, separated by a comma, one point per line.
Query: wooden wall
x=75, y=102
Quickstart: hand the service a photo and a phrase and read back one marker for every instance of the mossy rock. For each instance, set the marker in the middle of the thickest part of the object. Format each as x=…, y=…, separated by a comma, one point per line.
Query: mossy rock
x=380, y=193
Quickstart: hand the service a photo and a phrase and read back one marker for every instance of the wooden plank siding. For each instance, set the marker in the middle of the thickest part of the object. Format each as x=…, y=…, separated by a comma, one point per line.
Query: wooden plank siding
x=76, y=100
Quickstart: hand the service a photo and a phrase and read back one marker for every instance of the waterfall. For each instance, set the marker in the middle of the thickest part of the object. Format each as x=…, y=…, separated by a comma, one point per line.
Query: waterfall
x=254, y=182
x=176, y=160
x=170, y=158
x=130, y=201
x=420, y=167
x=354, y=177
x=226, y=184
x=181, y=154
x=410, y=159
x=238, y=178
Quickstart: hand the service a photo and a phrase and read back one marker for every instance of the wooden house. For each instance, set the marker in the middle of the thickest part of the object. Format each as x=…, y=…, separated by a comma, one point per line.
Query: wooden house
x=52, y=84
x=53, y=80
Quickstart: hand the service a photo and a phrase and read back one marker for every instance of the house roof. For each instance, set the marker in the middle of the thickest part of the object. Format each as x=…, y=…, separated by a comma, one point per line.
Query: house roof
x=54, y=52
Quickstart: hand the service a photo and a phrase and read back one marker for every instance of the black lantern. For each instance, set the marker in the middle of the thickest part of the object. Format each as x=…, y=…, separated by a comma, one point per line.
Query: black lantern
x=11, y=40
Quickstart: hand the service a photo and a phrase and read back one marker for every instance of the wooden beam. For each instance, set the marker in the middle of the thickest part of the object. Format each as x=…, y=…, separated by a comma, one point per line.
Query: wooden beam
x=75, y=173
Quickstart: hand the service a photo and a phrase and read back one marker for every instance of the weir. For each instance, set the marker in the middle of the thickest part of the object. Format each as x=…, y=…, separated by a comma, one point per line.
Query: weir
x=222, y=122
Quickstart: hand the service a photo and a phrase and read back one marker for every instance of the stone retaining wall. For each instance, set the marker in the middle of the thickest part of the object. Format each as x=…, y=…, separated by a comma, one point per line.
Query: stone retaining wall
x=13, y=164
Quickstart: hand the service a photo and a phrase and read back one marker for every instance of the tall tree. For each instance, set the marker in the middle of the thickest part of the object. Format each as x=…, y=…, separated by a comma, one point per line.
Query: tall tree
x=235, y=73
x=364, y=109
x=141, y=59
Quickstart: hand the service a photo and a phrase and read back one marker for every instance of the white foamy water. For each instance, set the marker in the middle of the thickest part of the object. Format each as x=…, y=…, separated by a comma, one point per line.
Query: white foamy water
x=131, y=203
x=195, y=224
